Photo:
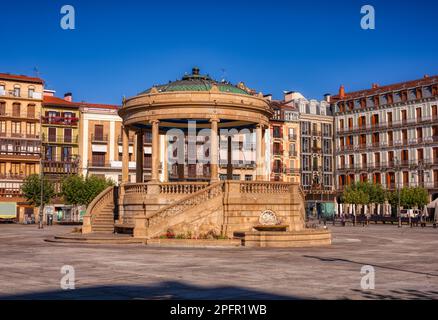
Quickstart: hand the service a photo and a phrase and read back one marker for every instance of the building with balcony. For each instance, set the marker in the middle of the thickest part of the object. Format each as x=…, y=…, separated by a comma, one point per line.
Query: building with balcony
x=388, y=135
x=285, y=142
x=20, y=140
x=316, y=152
x=100, y=143
x=60, y=137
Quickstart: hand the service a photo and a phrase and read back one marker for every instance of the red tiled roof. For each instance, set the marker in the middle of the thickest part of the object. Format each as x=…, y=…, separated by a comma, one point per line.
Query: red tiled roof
x=7, y=76
x=392, y=87
x=58, y=101
x=62, y=102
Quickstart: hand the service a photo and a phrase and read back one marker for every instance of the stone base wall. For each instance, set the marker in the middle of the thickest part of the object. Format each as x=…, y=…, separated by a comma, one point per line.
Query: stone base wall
x=242, y=210
x=303, y=238
x=222, y=208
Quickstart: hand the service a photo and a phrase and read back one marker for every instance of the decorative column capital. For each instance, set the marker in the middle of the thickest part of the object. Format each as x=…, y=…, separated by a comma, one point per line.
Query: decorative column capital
x=154, y=121
x=214, y=120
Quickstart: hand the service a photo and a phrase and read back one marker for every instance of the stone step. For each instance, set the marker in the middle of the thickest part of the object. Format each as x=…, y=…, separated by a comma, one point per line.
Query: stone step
x=108, y=230
x=103, y=219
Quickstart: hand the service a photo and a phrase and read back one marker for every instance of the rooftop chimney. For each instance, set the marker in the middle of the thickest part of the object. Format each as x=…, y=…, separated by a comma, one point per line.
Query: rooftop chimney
x=327, y=97
x=426, y=76
x=342, y=92
x=375, y=85
x=68, y=97
x=268, y=96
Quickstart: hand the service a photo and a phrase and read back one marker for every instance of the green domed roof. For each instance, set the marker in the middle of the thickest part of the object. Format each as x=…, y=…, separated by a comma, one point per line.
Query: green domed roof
x=196, y=82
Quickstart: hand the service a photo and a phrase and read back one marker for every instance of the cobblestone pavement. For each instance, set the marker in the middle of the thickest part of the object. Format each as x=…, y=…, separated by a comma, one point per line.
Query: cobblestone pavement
x=405, y=262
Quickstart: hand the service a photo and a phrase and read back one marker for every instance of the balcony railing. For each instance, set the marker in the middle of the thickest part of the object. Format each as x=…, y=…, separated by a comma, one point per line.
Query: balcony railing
x=387, y=125
x=293, y=154
x=60, y=139
x=10, y=135
x=10, y=193
x=67, y=166
x=292, y=137
x=28, y=95
x=120, y=140
x=240, y=164
x=99, y=138
x=389, y=144
x=12, y=176
x=22, y=154
x=21, y=115
x=65, y=121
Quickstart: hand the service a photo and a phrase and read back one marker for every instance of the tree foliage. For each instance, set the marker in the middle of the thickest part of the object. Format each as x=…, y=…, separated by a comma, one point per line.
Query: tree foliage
x=31, y=189
x=414, y=197
x=78, y=190
x=364, y=193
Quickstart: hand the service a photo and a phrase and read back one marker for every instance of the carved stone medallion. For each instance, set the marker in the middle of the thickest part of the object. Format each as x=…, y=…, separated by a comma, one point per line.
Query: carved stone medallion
x=268, y=218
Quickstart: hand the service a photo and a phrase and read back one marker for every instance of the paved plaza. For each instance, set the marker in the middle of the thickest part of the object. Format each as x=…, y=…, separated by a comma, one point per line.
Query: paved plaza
x=405, y=262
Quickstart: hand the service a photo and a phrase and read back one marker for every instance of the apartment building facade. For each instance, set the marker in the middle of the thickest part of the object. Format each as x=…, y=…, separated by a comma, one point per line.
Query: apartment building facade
x=20, y=141
x=100, y=147
x=388, y=135
x=316, y=153
x=60, y=137
x=285, y=142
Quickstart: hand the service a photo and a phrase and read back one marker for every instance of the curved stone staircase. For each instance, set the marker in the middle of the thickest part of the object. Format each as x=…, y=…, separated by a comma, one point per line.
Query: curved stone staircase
x=188, y=210
x=99, y=217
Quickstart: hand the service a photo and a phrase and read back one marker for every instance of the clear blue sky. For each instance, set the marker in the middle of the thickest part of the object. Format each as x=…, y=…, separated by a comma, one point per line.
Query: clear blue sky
x=123, y=47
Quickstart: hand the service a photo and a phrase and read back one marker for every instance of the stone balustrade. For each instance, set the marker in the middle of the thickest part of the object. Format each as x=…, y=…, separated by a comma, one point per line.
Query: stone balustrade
x=181, y=187
x=136, y=188
x=264, y=187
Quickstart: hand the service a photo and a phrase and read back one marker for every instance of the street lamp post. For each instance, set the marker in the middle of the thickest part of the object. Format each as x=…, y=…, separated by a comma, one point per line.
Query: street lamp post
x=41, y=213
x=397, y=169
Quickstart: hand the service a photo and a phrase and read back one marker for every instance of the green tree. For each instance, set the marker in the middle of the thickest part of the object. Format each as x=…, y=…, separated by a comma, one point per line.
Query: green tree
x=73, y=190
x=78, y=190
x=364, y=193
x=414, y=197
x=31, y=189
x=95, y=185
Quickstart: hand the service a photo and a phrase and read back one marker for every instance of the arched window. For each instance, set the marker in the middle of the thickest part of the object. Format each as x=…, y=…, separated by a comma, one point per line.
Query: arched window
x=17, y=90
x=31, y=91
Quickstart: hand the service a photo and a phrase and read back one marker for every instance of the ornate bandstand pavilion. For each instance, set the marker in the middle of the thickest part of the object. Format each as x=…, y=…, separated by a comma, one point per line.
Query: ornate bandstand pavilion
x=171, y=201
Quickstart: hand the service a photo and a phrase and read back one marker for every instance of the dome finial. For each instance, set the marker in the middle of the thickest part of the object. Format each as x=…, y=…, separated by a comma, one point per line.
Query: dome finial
x=195, y=71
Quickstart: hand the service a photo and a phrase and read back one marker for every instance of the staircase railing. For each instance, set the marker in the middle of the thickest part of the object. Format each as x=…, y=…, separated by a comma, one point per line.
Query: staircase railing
x=187, y=202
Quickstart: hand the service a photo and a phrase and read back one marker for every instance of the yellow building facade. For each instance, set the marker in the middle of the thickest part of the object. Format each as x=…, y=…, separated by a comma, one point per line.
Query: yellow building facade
x=20, y=141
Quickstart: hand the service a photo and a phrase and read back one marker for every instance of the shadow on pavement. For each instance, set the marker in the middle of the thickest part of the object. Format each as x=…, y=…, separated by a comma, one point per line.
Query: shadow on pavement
x=160, y=291
x=406, y=294
x=327, y=259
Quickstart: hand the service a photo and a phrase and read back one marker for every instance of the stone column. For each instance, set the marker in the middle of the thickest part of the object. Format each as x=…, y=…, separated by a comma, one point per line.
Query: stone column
x=125, y=155
x=214, y=150
x=139, y=157
x=229, y=159
x=155, y=150
x=259, y=152
x=163, y=143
